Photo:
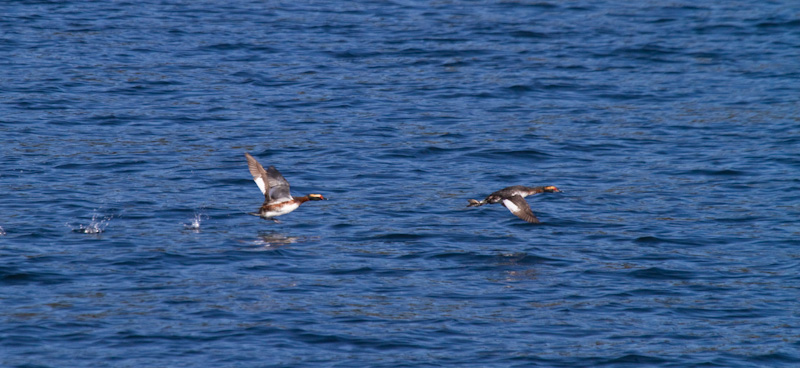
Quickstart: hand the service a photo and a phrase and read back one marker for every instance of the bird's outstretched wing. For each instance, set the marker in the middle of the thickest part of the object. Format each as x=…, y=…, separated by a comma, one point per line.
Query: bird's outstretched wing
x=272, y=184
x=520, y=208
x=259, y=174
x=278, y=186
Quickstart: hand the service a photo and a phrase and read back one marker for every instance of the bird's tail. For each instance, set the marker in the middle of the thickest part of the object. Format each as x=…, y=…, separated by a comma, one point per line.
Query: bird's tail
x=475, y=203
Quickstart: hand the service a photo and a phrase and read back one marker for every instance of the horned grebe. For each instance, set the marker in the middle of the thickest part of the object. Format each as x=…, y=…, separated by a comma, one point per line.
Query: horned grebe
x=513, y=198
x=278, y=200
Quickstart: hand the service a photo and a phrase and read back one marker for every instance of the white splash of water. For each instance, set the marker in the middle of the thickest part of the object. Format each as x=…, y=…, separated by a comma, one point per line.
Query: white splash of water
x=2, y=232
x=195, y=225
x=97, y=226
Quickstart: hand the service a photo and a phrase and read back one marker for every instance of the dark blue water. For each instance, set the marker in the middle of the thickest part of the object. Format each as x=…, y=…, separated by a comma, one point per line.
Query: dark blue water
x=673, y=129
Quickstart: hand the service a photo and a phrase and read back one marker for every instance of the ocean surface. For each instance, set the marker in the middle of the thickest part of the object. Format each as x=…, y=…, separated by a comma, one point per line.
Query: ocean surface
x=672, y=128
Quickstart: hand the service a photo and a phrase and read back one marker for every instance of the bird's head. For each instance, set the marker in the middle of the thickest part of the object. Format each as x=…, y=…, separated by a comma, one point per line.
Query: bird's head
x=551, y=189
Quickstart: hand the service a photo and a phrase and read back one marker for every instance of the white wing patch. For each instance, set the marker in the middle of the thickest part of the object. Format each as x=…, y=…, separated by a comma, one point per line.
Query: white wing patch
x=260, y=182
x=510, y=205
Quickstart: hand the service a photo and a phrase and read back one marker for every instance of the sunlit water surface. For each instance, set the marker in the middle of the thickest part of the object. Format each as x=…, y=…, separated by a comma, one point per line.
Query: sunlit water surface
x=672, y=128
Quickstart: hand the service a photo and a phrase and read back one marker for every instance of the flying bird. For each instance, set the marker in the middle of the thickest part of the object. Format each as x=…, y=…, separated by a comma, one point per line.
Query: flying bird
x=513, y=198
x=278, y=200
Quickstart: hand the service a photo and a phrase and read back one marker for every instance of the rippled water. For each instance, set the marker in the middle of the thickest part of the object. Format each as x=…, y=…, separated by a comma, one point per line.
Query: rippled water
x=672, y=128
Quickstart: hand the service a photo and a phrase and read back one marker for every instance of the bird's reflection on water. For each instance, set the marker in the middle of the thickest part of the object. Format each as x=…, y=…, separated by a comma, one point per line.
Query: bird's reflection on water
x=269, y=240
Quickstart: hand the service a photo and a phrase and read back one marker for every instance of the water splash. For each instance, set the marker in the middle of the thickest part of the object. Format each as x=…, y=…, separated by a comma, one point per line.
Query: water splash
x=2, y=232
x=195, y=225
x=97, y=226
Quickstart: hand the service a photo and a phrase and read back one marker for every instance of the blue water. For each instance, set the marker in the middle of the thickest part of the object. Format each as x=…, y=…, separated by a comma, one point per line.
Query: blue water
x=673, y=129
